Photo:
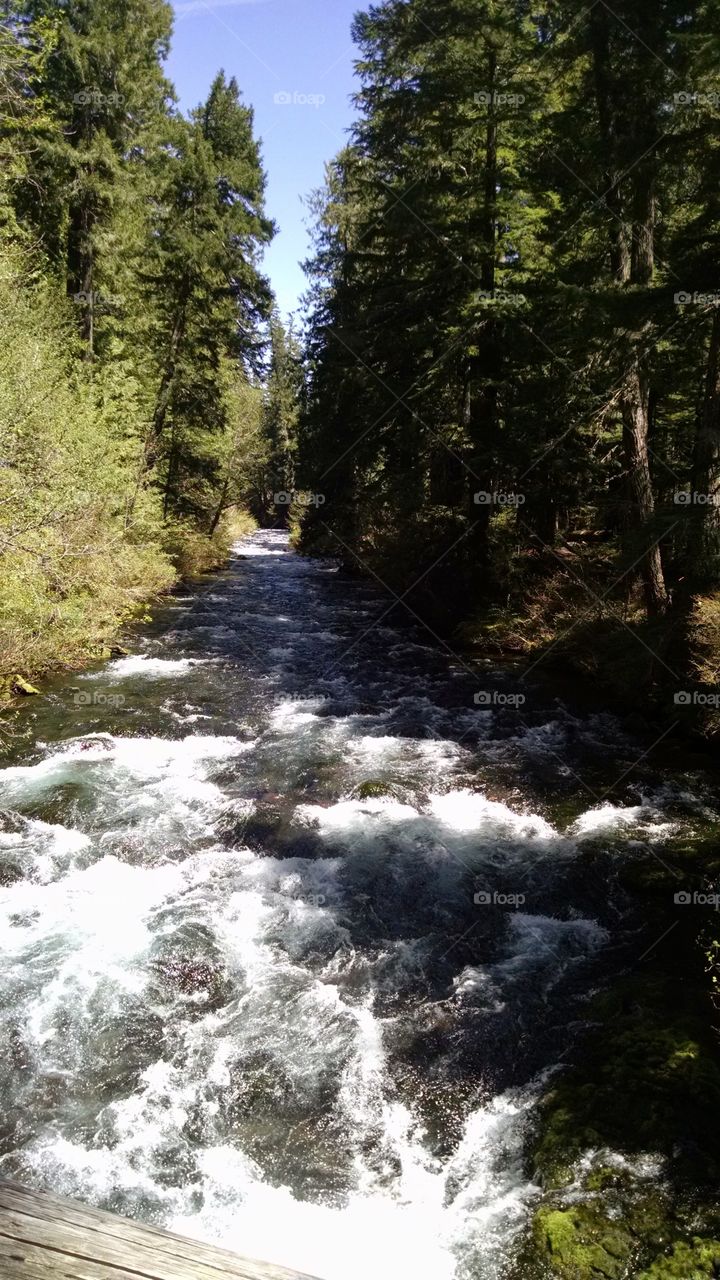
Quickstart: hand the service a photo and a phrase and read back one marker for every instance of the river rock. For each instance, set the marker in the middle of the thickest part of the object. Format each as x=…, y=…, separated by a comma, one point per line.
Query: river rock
x=19, y=685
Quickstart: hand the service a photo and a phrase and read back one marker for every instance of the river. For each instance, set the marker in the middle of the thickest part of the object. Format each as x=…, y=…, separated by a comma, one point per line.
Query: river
x=299, y=915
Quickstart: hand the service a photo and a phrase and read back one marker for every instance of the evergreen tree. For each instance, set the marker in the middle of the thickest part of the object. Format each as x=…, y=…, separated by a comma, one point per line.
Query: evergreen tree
x=281, y=410
x=209, y=298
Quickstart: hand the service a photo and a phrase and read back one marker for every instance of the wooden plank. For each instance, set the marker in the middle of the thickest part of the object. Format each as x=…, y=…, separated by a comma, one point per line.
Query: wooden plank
x=71, y=1234
x=29, y=1262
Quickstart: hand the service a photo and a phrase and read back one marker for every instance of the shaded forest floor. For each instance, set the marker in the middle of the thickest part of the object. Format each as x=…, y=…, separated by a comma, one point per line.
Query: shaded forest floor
x=562, y=613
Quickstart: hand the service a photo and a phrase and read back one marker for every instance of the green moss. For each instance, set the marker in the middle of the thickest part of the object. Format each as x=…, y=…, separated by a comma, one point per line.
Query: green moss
x=608, y=1229
x=373, y=788
x=645, y=1079
x=608, y=1177
x=582, y=1244
x=694, y=1261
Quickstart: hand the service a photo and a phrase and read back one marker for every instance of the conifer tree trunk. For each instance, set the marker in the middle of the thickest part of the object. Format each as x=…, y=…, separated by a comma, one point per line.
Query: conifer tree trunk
x=619, y=230
x=636, y=402
x=481, y=405
x=166, y=383
x=704, y=549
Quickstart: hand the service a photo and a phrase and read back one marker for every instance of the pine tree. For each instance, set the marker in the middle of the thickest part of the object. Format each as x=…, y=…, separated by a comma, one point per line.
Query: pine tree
x=209, y=296
x=102, y=81
x=281, y=409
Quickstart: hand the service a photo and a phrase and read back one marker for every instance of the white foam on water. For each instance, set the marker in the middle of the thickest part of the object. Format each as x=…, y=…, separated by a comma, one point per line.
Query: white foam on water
x=539, y=950
x=143, y=757
x=150, y=668
x=460, y=827
x=388, y=750
x=42, y=849
x=81, y=934
x=465, y=811
x=265, y=543
x=92, y=932
x=294, y=713
x=609, y=819
x=419, y=1223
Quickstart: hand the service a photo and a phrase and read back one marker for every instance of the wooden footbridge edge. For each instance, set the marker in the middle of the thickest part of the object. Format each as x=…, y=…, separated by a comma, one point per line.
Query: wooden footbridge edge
x=46, y=1237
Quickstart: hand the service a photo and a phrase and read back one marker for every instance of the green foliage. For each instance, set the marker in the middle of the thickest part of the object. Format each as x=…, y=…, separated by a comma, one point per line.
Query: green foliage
x=79, y=531
x=492, y=309
x=133, y=422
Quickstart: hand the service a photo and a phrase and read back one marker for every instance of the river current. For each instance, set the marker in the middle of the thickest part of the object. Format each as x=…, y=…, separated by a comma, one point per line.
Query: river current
x=299, y=916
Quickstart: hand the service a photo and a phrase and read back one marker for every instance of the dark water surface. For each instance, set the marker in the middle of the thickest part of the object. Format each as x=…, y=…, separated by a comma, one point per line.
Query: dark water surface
x=294, y=931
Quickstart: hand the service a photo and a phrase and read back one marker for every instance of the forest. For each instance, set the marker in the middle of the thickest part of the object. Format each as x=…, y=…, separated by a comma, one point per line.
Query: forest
x=358, y=897
x=505, y=400
x=145, y=370
x=514, y=338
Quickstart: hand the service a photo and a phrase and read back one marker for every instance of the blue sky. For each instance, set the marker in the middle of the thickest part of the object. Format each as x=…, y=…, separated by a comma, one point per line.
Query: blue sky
x=296, y=48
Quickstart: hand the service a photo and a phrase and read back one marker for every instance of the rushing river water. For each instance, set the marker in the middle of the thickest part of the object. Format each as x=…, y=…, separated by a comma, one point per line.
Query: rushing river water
x=294, y=931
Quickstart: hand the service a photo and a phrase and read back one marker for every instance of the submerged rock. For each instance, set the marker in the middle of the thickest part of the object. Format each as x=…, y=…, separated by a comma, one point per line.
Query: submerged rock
x=10, y=872
x=374, y=789
x=186, y=976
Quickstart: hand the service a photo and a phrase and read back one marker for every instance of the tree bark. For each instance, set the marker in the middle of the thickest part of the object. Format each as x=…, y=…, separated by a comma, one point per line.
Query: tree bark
x=703, y=568
x=480, y=407
x=620, y=257
x=636, y=417
x=166, y=383
x=219, y=509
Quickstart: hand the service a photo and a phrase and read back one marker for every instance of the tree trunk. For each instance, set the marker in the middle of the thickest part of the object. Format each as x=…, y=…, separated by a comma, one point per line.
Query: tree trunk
x=480, y=404
x=703, y=569
x=219, y=509
x=619, y=230
x=636, y=401
x=166, y=382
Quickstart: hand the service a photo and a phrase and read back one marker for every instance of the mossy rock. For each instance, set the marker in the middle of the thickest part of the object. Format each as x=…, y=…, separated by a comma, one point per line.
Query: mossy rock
x=373, y=789
x=580, y=1243
x=647, y=1078
x=606, y=1229
x=19, y=685
x=694, y=1261
x=608, y=1177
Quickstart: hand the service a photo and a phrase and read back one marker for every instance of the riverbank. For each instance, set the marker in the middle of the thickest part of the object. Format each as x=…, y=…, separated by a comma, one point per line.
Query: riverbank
x=662, y=670
x=626, y=1138
x=65, y=629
